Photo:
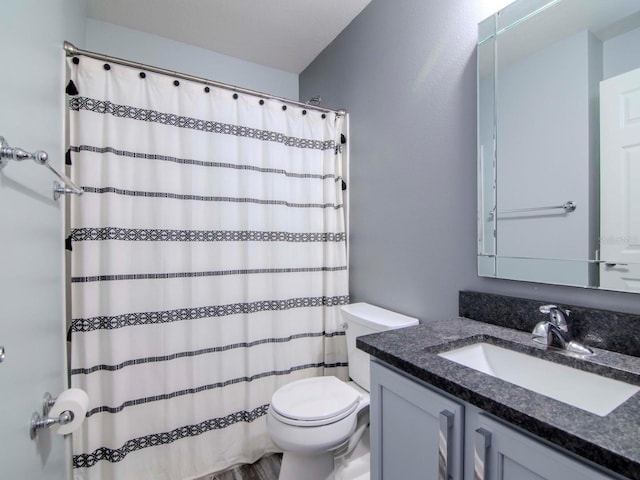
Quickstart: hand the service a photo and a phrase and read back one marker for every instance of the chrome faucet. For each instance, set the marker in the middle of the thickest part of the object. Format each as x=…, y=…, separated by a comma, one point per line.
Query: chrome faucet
x=555, y=331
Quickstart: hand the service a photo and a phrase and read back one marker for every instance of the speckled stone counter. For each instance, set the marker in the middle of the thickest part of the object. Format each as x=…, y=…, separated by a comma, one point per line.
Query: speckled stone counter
x=612, y=441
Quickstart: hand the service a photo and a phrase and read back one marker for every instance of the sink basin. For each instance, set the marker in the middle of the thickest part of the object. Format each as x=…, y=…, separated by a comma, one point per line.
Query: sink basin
x=588, y=391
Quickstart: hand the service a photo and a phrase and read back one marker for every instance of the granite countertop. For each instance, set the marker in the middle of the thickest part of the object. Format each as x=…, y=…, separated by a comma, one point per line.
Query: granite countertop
x=612, y=441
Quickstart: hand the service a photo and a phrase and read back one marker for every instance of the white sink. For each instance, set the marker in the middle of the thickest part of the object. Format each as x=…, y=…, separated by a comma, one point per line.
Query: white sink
x=588, y=391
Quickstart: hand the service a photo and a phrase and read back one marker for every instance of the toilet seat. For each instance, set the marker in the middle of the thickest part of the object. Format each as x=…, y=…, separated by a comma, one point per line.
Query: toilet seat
x=314, y=401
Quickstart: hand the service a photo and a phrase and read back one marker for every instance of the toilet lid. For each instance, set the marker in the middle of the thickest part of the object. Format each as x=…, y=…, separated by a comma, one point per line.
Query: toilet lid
x=313, y=399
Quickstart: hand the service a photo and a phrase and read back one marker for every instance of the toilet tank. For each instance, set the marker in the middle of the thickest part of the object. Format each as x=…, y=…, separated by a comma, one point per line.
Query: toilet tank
x=363, y=319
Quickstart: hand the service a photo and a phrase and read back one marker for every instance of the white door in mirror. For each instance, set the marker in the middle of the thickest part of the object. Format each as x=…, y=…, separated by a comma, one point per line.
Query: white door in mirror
x=620, y=182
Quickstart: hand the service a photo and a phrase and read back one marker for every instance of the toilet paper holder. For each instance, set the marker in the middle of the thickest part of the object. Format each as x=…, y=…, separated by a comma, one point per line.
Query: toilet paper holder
x=39, y=422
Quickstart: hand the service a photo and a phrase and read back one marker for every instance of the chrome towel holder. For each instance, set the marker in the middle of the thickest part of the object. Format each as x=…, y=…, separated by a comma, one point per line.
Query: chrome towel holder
x=568, y=207
x=41, y=158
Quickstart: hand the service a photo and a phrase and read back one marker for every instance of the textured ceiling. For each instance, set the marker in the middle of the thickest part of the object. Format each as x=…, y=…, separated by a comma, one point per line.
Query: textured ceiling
x=283, y=34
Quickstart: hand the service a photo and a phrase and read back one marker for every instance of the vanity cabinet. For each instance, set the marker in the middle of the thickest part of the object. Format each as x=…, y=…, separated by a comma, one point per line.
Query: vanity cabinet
x=418, y=432
x=503, y=453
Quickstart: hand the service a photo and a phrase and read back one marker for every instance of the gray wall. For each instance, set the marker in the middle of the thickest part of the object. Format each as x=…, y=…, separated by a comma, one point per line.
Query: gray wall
x=533, y=172
x=406, y=72
x=621, y=53
x=162, y=52
x=31, y=245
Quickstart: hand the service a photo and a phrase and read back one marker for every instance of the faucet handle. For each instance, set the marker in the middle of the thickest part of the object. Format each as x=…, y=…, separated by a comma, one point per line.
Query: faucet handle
x=557, y=316
x=550, y=308
x=547, y=308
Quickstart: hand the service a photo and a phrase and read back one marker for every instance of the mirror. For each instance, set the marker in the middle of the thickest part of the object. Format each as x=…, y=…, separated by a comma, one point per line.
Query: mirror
x=559, y=143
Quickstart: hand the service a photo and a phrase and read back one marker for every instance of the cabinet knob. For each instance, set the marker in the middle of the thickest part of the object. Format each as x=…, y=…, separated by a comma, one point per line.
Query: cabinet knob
x=481, y=446
x=446, y=424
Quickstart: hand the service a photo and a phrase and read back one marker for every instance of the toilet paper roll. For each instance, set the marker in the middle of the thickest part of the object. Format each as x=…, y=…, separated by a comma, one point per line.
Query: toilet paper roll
x=74, y=400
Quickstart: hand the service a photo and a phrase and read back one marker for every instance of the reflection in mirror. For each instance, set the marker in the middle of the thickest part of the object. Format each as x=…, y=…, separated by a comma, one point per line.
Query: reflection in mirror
x=559, y=143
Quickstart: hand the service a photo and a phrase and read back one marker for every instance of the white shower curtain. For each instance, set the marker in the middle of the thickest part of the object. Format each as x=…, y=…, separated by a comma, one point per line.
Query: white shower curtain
x=208, y=267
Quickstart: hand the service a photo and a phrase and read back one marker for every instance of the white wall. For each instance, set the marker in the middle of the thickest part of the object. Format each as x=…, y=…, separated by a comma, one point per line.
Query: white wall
x=31, y=245
x=161, y=52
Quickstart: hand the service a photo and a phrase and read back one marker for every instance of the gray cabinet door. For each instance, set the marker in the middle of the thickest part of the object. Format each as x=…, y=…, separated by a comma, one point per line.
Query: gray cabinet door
x=416, y=433
x=511, y=455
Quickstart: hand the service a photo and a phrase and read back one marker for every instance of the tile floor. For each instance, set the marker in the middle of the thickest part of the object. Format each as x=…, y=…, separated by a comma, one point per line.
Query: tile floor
x=267, y=468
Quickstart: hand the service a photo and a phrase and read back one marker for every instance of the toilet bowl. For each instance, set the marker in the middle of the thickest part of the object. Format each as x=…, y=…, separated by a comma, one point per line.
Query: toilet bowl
x=312, y=420
x=316, y=420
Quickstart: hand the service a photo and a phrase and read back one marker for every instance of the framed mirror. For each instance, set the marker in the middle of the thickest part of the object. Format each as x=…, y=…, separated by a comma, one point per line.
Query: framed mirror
x=559, y=143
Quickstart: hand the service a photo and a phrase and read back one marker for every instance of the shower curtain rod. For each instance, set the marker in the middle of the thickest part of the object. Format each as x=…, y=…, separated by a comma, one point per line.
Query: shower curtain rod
x=72, y=50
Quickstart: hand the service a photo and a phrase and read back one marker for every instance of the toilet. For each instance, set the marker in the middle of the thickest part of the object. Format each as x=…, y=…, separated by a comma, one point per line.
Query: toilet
x=317, y=420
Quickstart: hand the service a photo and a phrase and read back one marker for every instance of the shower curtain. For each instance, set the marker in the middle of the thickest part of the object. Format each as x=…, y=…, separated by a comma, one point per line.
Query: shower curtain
x=208, y=266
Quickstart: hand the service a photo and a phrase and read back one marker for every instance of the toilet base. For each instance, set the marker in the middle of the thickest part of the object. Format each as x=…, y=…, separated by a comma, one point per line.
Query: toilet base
x=308, y=467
